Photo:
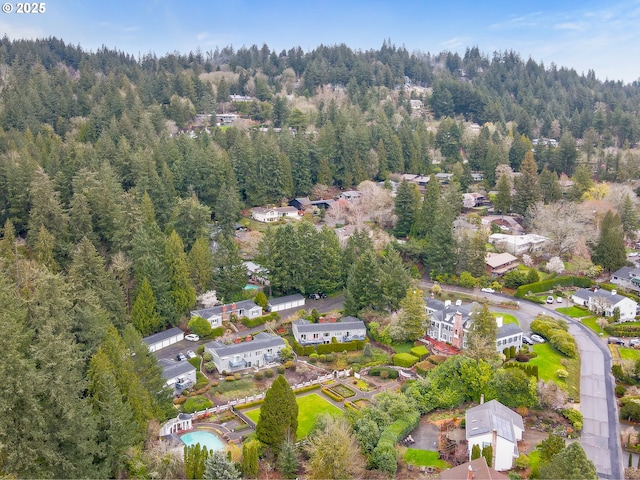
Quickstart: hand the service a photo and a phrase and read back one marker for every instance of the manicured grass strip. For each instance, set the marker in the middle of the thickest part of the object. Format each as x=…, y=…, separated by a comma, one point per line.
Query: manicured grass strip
x=506, y=318
x=573, y=311
x=591, y=323
x=549, y=361
x=629, y=354
x=309, y=407
x=403, y=347
x=424, y=458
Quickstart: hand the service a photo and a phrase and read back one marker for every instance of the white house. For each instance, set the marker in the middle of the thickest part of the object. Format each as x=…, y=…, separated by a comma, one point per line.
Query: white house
x=268, y=215
x=161, y=340
x=262, y=350
x=492, y=423
x=179, y=375
x=603, y=302
x=216, y=315
x=519, y=244
x=627, y=277
x=350, y=195
x=347, y=329
x=451, y=323
x=285, y=303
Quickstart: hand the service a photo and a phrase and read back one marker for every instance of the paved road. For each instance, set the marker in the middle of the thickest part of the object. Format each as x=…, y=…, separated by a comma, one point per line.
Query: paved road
x=600, y=434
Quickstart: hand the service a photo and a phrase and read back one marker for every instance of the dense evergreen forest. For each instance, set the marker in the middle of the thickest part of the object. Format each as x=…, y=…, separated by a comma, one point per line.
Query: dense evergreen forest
x=111, y=189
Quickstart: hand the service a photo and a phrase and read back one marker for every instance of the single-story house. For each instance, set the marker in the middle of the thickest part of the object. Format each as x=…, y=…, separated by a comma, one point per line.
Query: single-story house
x=519, y=244
x=302, y=203
x=603, y=302
x=216, y=315
x=267, y=214
x=226, y=118
x=161, y=340
x=474, y=199
x=179, y=375
x=285, y=303
x=498, y=264
x=262, y=350
x=345, y=330
x=256, y=273
x=444, y=178
x=474, y=470
x=627, y=277
x=477, y=176
x=492, y=423
x=350, y=195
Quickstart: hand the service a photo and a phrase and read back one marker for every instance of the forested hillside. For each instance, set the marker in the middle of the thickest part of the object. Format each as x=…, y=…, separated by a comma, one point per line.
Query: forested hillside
x=112, y=187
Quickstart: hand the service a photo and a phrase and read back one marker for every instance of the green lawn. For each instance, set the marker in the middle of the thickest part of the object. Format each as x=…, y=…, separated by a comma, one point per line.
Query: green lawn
x=629, y=354
x=402, y=347
x=549, y=361
x=309, y=407
x=506, y=318
x=591, y=323
x=424, y=458
x=573, y=311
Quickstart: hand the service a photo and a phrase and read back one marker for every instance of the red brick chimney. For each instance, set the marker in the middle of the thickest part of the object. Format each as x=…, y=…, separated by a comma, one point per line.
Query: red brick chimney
x=458, y=332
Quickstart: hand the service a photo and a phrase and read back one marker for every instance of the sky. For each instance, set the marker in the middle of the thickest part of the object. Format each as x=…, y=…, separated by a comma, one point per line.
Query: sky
x=583, y=35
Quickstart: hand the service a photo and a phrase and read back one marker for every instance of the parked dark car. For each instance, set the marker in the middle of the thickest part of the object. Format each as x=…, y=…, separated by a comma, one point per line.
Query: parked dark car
x=615, y=341
x=317, y=295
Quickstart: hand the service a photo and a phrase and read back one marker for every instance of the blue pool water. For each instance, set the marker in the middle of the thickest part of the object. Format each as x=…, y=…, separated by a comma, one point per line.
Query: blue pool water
x=250, y=287
x=206, y=439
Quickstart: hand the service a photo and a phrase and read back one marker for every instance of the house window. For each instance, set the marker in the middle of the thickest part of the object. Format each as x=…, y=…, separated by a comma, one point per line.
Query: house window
x=303, y=336
x=315, y=335
x=326, y=334
x=269, y=350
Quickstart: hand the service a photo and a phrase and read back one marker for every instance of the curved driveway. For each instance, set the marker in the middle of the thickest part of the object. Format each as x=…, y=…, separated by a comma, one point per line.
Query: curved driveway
x=600, y=437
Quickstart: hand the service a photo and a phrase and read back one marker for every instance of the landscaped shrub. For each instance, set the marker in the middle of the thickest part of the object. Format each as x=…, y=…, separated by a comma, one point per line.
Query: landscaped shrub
x=405, y=360
x=555, y=331
x=207, y=357
x=550, y=284
x=330, y=357
x=620, y=390
x=196, y=404
x=506, y=353
x=281, y=369
x=384, y=374
x=437, y=359
x=322, y=358
x=258, y=376
x=268, y=373
x=217, y=332
x=313, y=358
x=201, y=380
x=575, y=418
x=308, y=388
x=253, y=322
x=179, y=400
x=210, y=367
x=200, y=350
x=423, y=367
x=420, y=351
x=375, y=372
x=623, y=330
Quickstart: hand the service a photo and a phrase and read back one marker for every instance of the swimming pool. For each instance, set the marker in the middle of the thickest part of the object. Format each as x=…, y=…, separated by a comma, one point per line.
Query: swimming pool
x=250, y=287
x=205, y=439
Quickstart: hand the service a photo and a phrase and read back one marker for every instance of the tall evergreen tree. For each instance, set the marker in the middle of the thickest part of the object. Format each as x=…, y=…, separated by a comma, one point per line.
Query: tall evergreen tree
x=406, y=204
x=229, y=272
x=278, y=420
x=571, y=463
x=363, y=285
x=183, y=293
x=144, y=314
x=549, y=186
x=201, y=265
x=481, y=341
x=424, y=218
x=526, y=185
x=609, y=251
x=394, y=280
x=629, y=218
x=413, y=317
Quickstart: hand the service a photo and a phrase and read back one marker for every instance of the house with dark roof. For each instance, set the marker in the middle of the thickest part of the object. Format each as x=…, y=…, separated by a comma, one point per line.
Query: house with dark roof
x=161, y=340
x=604, y=302
x=220, y=313
x=345, y=330
x=497, y=264
x=451, y=323
x=262, y=350
x=179, y=375
x=286, y=303
x=627, y=277
x=492, y=423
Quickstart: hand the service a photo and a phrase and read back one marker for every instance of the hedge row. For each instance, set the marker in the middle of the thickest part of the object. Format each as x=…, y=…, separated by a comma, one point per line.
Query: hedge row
x=623, y=330
x=550, y=284
x=324, y=348
x=437, y=359
x=405, y=360
x=555, y=331
x=531, y=370
x=332, y=395
x=375, y=372
x=420, y=351
x=385, y=451
x=217, y=332
x=254, y=322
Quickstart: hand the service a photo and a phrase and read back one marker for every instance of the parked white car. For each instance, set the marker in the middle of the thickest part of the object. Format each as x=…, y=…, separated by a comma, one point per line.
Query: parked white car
x=192, y=337
x=487, y=290
x=537, y=338
x=191, y=354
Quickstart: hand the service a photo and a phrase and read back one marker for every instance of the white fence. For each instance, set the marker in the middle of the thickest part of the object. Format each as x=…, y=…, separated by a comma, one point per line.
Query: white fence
x=238, y=402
